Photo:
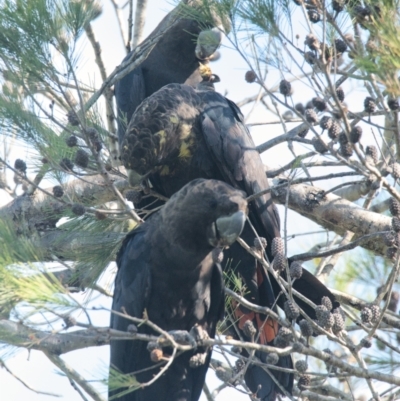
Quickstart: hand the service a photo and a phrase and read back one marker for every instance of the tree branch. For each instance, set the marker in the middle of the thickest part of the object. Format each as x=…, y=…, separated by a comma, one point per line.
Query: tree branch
x=139, y=22
x=335, y=213
x=74, y=375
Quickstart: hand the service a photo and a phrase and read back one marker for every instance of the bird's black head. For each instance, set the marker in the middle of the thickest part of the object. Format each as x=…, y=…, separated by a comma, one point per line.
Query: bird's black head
x=206, y=214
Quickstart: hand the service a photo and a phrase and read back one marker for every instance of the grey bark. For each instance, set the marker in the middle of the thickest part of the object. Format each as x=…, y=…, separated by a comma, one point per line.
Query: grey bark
x=336, y=214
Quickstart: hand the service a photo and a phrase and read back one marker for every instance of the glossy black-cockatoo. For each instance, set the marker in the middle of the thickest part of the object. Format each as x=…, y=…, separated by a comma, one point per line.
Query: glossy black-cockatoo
x=166, y=270
x=181, y=133
x=177, y=57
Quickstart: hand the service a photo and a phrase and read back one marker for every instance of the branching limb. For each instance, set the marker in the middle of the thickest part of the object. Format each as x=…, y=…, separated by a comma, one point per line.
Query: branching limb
x=75, y=376
x=334, y=213
x=118, y=12
x=140, y=14
x=3, y=365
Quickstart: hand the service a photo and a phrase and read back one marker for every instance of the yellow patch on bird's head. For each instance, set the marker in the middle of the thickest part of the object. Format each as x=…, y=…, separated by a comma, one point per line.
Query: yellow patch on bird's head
x=184, y=150
x=184, y=131
x=174, y=119
x=163, y=137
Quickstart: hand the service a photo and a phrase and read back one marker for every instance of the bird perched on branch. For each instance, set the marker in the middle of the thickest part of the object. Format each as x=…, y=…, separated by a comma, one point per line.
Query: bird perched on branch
x=184, y=47
x=167, y=272
x=179, y=134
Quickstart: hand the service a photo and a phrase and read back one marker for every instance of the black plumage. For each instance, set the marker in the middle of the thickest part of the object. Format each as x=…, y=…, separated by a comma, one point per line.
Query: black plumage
x=179, y=134
x=166, y=269
x=178, y=57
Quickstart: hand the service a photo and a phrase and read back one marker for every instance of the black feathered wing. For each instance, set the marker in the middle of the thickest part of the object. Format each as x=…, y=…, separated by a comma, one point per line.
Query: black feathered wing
x=238, y=160
x=130, y=91
x=131, y=295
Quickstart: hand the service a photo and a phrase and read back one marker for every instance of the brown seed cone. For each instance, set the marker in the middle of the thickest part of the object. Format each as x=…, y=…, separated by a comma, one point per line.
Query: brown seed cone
x=71, y=141
x=338, y=323
x=66, y=164
x=312, y=42
x=277, y=246
x=319, y=104
x=355, y=134
x=373, y=152
x=366, y=315
x=334, y=130
x=303, y=382
x=327, y=303
x=376, y=312
x=306, y=328
x=249, y=329
x=81, y=158
x=156, y=355
x=301, y=365
x=338, y=5
x=296, y=270
x=396, y=170
x=20, y=165
x=340, y=94
x=311, y=116
x=292, y=311
x=394, y=207
x=369, y=105
x=340, y=45
x=396, y=224
x=78, y=209
x=389, y=239
x=250, y=76
x=393, y=104
x=285, y=88
x=279, y=262
x=319, y=145
x=366, y=342
x=314, y=16
x=346, y=150
x=72, y=118
x=58, y=191
x=325, y=122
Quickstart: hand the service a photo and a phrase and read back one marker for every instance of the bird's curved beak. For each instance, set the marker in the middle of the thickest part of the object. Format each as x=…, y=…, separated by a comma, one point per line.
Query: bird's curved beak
x=134, y=178
x=227, y=229
x=207, y=43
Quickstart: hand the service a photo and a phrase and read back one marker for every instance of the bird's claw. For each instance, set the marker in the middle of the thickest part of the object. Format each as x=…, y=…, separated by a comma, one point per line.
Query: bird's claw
x=183, y=337
x=199, y=334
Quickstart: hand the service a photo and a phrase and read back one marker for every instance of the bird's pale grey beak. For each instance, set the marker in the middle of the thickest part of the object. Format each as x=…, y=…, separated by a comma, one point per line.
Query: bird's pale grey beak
x=227, y=229
x=134, y=178
x=207, y=43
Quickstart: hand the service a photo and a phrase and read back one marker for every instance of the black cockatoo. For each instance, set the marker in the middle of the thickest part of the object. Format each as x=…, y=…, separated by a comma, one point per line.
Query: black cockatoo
x=178, y=57
x=181, y=133
x=166, y=269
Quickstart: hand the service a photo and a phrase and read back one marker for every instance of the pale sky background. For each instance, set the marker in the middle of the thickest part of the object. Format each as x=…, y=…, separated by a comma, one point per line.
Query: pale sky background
x=34, y=368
